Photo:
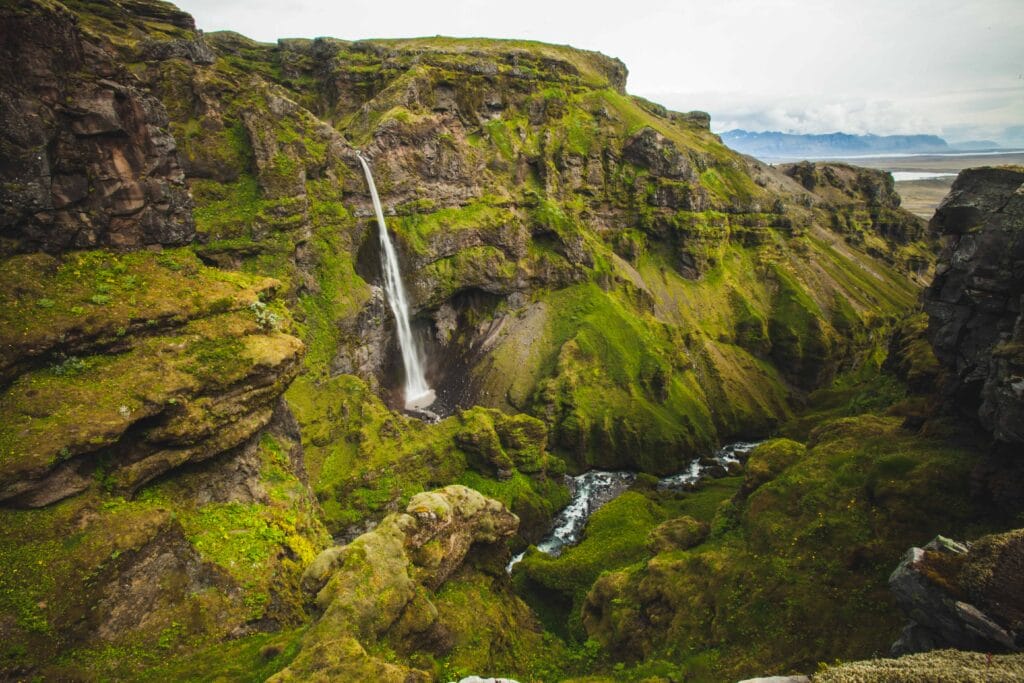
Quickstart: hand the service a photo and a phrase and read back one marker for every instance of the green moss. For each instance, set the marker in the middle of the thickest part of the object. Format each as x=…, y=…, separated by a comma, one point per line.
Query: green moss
x=801, y=341
x=615, y=537
x=226, y=211
x=704, y=503
x=250, y=659
x=141, y=286
x=768, y=460
x=492, y=630
x=215, y=360
x=51, y=416
x=618, y=389
x=914, y=359
x=55, y=565
x=375, y=459
x=418, y=229
x=535, y=501
x=501, y=133
x=814, y=544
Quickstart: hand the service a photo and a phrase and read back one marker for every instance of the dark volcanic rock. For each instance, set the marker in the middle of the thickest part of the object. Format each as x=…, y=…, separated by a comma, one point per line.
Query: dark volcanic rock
x=859, y=198
x=651, y=150
x=85, y=156
x=966, y=597
x=974, y=303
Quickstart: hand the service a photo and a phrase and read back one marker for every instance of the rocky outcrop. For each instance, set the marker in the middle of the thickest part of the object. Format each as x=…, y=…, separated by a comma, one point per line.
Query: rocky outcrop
x=117, y=367
x=649, y=149
x=681, y=533
x=968, y=597
x=87, y=159
x=941, y=666
x=500, y=445
x=974, y=303
x=362, y=350
x=862, y=205
x=377, y=588
x=167, y=569
x=840, y=182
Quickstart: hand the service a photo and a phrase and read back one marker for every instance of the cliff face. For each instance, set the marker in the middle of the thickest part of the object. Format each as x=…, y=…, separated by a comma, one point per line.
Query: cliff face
x=570, y=251
x=975, y=300
x=87, y=158
x=123, y=369
x=862, y=205
x=975, y=323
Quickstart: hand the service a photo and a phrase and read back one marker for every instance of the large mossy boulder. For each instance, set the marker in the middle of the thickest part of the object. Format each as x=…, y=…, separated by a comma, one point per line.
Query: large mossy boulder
x=378, y=587
x=767, y=461
x=681, y=533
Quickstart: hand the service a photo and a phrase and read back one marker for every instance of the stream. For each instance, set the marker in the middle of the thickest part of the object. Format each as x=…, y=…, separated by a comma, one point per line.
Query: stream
x=595, y=488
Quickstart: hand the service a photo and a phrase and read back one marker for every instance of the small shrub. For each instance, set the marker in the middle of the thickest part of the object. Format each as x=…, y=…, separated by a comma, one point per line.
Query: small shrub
x=168, y=262
x=265, y=318
x=70, y=366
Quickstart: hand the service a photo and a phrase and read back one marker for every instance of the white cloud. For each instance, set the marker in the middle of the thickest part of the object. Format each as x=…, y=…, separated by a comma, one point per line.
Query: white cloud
x=874, y=65
x=984, y=114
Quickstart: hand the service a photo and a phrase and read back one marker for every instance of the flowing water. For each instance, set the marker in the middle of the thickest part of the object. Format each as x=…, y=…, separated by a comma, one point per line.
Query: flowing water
x=593, y=489
x=418, y=395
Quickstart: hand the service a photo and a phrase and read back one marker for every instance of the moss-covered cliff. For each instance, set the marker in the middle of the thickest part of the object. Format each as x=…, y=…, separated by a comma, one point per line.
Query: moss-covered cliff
x=571, y=251
x=197, y=372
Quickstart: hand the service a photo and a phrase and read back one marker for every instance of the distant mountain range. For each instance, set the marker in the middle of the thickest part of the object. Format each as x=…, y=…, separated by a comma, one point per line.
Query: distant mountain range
x=773, y=144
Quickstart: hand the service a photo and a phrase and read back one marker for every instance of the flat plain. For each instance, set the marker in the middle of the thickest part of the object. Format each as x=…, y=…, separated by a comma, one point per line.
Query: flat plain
x=922, y=196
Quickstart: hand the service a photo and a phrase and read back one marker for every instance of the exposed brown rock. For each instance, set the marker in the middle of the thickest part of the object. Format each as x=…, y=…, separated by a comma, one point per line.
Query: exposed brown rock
x=87, y=160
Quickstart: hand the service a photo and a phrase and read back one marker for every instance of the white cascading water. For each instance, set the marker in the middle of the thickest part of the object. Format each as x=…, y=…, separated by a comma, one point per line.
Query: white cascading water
x=593, y=489
x=418, y=395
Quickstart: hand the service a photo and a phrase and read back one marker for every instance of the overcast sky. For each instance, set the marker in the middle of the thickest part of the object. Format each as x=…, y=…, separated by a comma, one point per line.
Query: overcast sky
x=948, y=67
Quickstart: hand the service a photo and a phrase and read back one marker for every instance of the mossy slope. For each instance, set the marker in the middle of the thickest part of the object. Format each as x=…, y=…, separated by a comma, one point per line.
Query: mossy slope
x=809, y=539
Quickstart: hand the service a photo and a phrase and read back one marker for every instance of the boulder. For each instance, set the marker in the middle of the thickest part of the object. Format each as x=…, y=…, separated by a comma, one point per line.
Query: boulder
x=680, y=533
x=377, y=587
x=963, y=596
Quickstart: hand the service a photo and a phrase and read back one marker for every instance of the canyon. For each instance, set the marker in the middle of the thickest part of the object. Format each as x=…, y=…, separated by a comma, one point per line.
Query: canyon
x=211, y=465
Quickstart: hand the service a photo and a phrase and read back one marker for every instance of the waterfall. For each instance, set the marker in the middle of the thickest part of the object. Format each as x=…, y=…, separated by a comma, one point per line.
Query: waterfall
x=418, y=395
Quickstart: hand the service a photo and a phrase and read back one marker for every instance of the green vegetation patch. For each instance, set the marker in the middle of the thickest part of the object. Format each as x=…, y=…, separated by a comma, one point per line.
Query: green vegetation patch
x=813, y=544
